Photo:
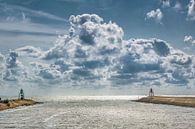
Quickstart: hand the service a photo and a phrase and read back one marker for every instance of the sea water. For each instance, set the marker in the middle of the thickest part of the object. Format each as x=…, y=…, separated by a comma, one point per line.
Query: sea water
x=97, y=112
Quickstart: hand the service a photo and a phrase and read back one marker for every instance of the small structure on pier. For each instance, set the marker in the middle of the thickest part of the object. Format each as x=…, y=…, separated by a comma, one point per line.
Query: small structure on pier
x=151, y=92
x=21, y=94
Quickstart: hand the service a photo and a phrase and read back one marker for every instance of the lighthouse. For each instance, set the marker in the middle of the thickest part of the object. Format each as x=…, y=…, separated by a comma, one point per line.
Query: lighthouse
x=21, y=94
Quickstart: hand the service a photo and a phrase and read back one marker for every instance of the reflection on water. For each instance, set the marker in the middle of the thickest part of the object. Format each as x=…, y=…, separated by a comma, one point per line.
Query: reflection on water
x=97, y=112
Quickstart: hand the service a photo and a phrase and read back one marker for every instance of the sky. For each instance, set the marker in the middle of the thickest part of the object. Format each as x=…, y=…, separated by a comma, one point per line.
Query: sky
x=97, y=47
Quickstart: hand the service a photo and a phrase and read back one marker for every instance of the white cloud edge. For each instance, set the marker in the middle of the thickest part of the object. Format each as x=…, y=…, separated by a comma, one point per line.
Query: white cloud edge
x=189, y=39
x=156, y=15
x=191, y=10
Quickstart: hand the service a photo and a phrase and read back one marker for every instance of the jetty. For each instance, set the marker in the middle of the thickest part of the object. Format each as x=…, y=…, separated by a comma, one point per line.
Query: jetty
x=8, y=104
x=177, y=101
x=13, y=103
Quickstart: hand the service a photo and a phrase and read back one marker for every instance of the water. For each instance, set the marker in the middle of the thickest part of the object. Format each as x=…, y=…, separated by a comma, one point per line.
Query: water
x=97, y=113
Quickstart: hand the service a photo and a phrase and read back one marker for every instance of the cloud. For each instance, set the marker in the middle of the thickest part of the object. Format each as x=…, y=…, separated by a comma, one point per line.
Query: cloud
x=177, y=6
x=14, y=70
x=156, y=15
x=165, y=3
x=46, y=71
x=30, y=50
x=86, y=30
x=24, y=15
x=189, y=39
x=2, y=58
x=191, y=10
x=95, y=54
x=156, y=55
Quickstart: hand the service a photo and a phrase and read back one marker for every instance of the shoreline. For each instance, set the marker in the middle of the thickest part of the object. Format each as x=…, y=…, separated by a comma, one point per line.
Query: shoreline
x=167, y=100
x=10, y=104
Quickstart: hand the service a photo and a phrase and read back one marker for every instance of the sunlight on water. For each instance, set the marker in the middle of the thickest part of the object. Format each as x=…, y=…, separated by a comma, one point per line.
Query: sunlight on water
x=74, y=98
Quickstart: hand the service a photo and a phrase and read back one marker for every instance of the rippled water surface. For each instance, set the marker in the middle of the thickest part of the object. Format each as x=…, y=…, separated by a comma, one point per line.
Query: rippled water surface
x=97, y=113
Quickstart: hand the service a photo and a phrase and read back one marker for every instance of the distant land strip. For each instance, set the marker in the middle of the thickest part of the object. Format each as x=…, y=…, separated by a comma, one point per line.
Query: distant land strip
x=177, y=101
x=8, y=104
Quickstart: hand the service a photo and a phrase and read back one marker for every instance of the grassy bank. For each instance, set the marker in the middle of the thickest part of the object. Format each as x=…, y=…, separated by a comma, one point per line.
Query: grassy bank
x=177, y=101
x=8, y=104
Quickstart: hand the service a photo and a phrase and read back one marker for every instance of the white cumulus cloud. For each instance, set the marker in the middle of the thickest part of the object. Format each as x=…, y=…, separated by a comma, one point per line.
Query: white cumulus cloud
x=30, y=50
x=191, y=10
x=177, y=6
x=14, y=69
x=156, y=15
x=1, y=63
x=189, y=39
x=165, y=3
x=95, y=54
